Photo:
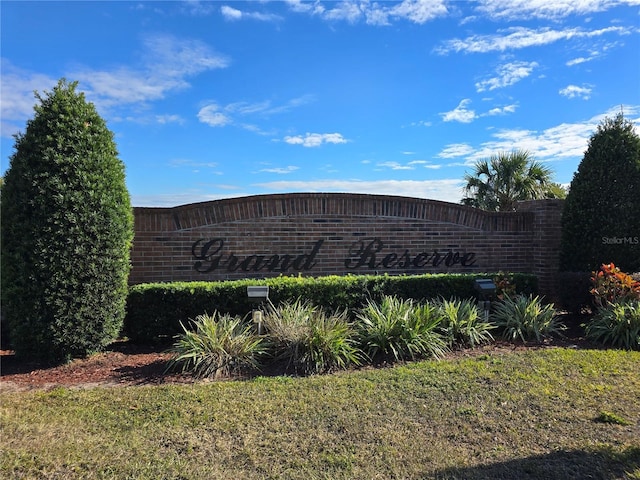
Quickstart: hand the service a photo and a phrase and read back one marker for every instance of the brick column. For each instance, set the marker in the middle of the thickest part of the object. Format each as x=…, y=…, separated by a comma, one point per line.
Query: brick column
x=547, y=231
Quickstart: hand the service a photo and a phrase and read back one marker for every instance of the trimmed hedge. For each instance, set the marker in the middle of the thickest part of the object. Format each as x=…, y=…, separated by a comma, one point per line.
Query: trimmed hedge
x=601, y=216
x=574, y=291
x=155, y=310
x=67, y=228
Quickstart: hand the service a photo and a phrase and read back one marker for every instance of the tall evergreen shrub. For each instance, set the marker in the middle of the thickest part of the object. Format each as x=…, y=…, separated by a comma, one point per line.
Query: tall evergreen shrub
x=601, y=218
x=67, y=229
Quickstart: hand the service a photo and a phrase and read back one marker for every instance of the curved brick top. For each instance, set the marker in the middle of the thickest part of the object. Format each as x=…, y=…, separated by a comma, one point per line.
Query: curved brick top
x=242, y=209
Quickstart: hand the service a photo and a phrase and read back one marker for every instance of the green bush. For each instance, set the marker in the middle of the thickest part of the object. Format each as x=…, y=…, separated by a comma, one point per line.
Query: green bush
x=308, y=339
x=573, y=291
x=154, y=311
x=217, y=345
x=616, y=324
x=67, y=228
x=601, y=216
x=526, y=317
x=463, y=324
x=400, y=328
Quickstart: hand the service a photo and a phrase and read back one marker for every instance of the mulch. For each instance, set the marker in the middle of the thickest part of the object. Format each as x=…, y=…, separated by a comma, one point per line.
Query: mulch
x=122, y=364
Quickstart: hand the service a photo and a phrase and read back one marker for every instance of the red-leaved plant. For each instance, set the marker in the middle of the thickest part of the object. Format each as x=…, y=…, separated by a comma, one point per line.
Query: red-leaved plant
x=505, y=285
x=610, y=285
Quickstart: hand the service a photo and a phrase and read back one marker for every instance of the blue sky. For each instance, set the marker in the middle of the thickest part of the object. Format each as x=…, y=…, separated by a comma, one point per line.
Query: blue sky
x=217, y=99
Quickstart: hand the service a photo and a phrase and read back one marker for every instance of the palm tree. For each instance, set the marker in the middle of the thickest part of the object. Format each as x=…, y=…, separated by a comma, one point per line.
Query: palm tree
x=556, y=190
x=497, y=183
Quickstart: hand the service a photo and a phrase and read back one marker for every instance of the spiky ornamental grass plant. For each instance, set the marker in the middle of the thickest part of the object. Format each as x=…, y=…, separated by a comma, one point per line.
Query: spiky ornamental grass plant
x=310, y=340
x=616, y=324
x=421, y=335
x=526, y=317
x=288, y=327
x=67, y=228
x=331, y=344
x=399, y=328
x=463, y=323
x=218, y=345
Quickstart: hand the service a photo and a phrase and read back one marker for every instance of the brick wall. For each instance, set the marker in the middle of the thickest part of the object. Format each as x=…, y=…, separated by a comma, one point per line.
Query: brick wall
x=324, y=234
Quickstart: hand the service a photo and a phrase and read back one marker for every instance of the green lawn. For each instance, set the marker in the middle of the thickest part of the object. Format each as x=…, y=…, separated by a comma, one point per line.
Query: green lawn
x=545, y=414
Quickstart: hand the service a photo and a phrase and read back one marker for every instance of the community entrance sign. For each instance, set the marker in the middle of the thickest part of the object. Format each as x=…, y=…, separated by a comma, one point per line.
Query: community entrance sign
x=335, y=234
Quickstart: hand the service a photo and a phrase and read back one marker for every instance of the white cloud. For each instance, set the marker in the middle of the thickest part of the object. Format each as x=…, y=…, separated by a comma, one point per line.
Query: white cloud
x=567, y=140
x=456, y=150
x=374, y=13
x=573, y=91
x=174, y=199
x=164, y=119
x=446, y=190
x=233, y=14
x=597, y=49
x=281, y=170
x=299, y=6
x=169, y=56
x=460, y=114
x=219, y=116
x=395, y=166
x=349, y=11
x=246, y=108
x=419, y=11
x=197, y=7
x=168, y=63
x=16, y=96
x=183, y=162
x=508, y=74
x=580, y=60
x=230, y=13
x=266, y=107
x=315, y=139
x=213, y=117
x=501, y=110
x=545, y=9
x=516, y=38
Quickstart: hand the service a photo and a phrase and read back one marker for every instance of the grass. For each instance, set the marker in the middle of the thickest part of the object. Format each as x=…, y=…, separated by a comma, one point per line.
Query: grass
x=531, y=415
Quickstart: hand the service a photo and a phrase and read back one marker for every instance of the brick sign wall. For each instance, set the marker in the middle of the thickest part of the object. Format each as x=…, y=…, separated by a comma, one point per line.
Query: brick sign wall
x=325, y=234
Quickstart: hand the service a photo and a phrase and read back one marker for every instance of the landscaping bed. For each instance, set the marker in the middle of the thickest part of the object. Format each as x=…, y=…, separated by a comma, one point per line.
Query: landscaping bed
x=126, y=364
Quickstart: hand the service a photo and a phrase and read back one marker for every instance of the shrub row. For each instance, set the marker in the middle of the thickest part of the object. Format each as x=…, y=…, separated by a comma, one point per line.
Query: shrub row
x=155, y=310
x=308, y=340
